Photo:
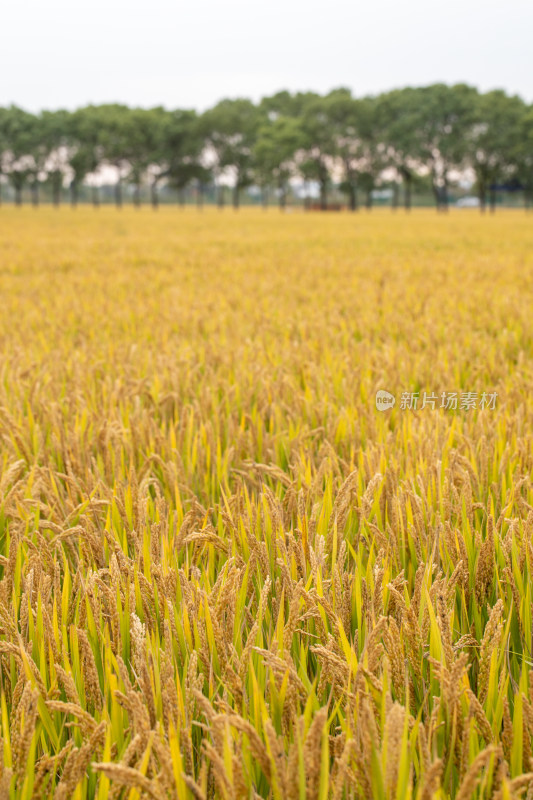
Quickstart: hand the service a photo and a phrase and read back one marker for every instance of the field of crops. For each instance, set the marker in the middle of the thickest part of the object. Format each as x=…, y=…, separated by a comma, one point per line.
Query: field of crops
x=224, y=573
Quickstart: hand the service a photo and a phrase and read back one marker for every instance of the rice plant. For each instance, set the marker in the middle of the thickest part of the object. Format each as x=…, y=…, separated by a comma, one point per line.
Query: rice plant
x=223, y=572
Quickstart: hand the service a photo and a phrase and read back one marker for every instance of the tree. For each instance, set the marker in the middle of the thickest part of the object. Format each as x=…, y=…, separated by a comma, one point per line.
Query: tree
x=18, y=136
x=115, y=141
x=181, y=150
x=440, y=126
x=521, y=155
x=230, y=130
x=278, y=140
x=348, y=125
x=53, y=129
x=146, y=148
x=318, y=145
x=85, y=152
x=372, y=148
x=492, y=139
x=398, y=113
x=4, y=144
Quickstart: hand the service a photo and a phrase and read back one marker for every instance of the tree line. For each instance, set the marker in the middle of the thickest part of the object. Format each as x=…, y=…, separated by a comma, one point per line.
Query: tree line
x=430, y=135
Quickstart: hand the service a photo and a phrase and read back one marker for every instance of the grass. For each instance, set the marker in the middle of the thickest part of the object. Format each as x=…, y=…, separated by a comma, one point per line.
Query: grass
x=224, y=573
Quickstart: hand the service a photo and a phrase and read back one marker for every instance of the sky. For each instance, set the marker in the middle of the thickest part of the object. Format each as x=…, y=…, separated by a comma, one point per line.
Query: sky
x=65, y=54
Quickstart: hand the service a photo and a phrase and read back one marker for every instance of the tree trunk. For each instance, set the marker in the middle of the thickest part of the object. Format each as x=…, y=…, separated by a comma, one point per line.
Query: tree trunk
x=118, y=194
x=137, y=195
x=154, y=196
x=282, y=189
x=200, y=196
x=445, y=199
x=482, y=195
x=35, y=194
x=73, y=194
x=265, y=198
x=95, y=197
x=17, y=182
x=323, y=195
x=395, y=197
x=352, y=196
x=436, y=193
x=236, y=197
x=57, y=195
x=369, y=199
x=407, y=191
x=220, y=193
x=306, y=199
x=492, y=201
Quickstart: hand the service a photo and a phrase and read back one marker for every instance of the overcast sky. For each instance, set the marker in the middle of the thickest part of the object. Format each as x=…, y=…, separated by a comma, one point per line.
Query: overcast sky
x=183, y=53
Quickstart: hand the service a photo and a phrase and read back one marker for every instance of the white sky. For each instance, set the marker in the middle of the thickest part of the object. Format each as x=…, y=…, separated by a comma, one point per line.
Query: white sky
x=179, y=53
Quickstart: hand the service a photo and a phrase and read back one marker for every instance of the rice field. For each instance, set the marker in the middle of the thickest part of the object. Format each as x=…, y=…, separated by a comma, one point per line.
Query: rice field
x=224, y=572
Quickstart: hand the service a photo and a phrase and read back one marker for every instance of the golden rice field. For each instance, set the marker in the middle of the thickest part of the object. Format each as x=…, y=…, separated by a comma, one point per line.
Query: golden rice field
x=224, y=572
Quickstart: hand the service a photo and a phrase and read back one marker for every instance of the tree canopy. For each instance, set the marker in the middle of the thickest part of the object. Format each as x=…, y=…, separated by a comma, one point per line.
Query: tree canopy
x=433, y=134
